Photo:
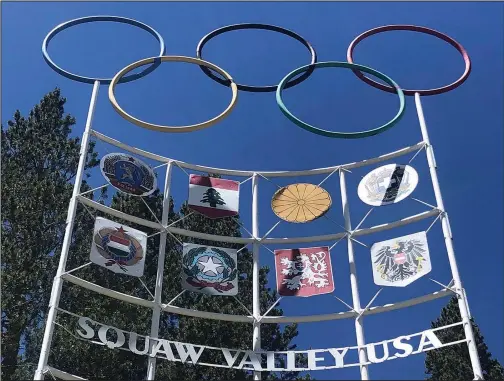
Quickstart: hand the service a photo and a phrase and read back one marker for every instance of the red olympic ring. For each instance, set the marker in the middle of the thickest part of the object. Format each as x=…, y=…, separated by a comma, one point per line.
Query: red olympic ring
x=412, y=28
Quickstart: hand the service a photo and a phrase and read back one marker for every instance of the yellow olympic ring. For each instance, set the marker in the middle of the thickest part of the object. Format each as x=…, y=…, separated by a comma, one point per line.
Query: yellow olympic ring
x=162, y=128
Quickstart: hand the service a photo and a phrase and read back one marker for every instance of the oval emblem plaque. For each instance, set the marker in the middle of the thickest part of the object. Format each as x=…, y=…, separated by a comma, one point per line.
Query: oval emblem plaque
x=388, y=184
x=128, y=174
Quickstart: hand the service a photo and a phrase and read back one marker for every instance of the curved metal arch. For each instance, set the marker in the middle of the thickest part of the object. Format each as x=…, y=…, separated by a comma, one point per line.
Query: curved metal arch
x=245, y=173
x=248, y=318
x=244, y=240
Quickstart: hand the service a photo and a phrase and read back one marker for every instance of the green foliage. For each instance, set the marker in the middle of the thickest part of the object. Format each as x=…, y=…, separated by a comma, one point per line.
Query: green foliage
x=39, y=158
x=38, y=161
x=453, y=362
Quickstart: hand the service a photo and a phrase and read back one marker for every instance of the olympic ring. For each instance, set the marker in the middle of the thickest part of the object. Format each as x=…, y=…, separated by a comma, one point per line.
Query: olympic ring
x=333, y=134
x=256, y=89
x=420, y=29
x=87, y=19
x=162, y=128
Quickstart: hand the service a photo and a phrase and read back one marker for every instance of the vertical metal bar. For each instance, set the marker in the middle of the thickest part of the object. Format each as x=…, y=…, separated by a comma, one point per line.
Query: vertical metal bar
x=156, y=311
x=359, y=326
x=256, y=305
x=471, y=343
x=467, y=304
x=72, y=208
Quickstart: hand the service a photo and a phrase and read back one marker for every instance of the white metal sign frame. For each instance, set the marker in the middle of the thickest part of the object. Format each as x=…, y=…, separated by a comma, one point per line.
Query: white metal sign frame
x=356, y=311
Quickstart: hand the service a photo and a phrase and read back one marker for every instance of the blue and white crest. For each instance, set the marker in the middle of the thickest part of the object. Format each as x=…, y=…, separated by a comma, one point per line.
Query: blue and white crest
x=128, y=174
x=210, y=270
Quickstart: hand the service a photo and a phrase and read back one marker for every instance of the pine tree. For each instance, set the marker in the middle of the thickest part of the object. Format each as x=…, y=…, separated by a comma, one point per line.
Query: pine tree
x=38, y=160
x=453, y=362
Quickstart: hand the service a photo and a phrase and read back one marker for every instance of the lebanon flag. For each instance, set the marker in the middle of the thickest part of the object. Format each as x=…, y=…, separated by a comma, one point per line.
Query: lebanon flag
x=213, y=197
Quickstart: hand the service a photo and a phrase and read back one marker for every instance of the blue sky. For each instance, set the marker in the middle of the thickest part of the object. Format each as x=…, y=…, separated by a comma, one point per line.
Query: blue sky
x=465, y=128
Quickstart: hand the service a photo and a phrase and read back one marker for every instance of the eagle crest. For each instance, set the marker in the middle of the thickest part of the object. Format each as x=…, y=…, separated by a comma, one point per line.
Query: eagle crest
x=401, y=260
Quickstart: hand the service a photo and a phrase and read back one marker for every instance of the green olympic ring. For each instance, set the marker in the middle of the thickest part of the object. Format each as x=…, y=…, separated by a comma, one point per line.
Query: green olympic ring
x=334, y=134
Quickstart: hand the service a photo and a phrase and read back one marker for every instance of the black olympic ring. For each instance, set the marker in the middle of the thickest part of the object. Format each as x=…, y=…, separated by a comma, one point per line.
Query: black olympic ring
x=256, y=89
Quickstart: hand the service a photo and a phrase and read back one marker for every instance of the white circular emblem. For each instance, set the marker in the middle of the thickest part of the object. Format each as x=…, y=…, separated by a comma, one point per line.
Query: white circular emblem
x=388, y=184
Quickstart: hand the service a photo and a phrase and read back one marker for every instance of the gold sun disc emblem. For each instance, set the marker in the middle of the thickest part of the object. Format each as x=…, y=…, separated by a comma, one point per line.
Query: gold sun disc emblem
x=300, y=203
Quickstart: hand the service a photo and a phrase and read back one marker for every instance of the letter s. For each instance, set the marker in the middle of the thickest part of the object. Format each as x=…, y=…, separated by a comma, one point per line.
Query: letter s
x=402, y=346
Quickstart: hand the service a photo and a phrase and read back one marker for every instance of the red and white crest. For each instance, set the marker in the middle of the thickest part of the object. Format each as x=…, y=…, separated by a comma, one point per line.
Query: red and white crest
x=213, y=197
x=304, y=272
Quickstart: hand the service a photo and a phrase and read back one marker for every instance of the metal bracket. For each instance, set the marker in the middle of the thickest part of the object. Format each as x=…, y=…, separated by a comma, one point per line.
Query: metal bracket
x=268, y=232
x=244, y=181
x=47, y=370
x=433, y=222
x=178, y=165
x=175, y=298
x=145, y=286
x=425, y=203
x=329, y=175
x=449, y=287
x=417, y=152
x=369, y=304
x=362, y=221
x=94, y=189
x=338, y=241
x=346, y=304
x=269, y=309
x=243, y=305
x=161, y=165
x=359, y=242
x=77, y=268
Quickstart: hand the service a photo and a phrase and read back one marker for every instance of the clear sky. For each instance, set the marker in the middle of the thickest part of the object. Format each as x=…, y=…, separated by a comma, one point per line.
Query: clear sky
x=465, y=128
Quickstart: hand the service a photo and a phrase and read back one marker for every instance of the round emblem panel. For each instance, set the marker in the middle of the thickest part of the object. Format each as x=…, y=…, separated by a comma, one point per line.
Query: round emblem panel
x=128, y=174
x=388, y=184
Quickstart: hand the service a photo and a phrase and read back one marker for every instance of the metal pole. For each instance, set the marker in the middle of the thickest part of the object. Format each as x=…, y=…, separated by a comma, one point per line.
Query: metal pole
x=473, y=352
x=156, y=311
x=359, y=327
x=256, y=305
x=72, y=208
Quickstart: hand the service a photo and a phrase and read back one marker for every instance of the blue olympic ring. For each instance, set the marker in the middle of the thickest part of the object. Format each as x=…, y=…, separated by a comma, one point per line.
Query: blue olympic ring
x=83, y=20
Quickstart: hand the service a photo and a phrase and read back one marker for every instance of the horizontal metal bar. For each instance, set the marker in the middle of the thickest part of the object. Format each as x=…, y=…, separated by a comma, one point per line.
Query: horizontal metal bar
x=63, y=375
x=210, y=237
x=116, y=213
x=244, y=240
x=352, y=314
x=207, y=315
x=105, y=291
x=155, y=225
x=231, y=172
x=360, y=232
x=409, y=303
x=249, y=319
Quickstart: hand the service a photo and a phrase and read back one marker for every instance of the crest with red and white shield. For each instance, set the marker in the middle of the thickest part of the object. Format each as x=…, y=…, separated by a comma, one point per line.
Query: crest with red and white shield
x=304, y=272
